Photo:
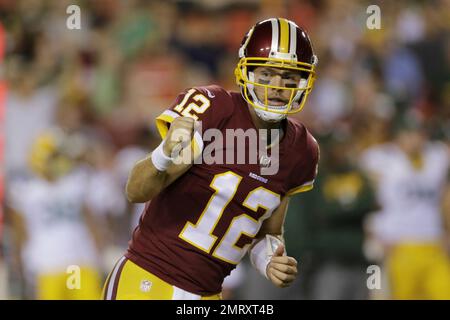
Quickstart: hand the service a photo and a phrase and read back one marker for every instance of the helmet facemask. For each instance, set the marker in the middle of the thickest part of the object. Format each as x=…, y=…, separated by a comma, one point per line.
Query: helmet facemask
x=298, y=93
x=276, y=43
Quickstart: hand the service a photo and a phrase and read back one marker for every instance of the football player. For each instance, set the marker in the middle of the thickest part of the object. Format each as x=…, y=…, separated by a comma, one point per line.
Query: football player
x=203, y=218
x=54, y=228
x=410, y=177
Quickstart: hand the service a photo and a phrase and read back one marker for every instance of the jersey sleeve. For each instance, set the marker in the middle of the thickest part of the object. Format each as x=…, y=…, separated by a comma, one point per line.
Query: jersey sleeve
x=306, y=171
x=207, y=105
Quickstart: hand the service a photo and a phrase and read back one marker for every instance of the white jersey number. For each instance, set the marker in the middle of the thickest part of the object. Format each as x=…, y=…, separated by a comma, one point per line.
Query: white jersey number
x=225, y=186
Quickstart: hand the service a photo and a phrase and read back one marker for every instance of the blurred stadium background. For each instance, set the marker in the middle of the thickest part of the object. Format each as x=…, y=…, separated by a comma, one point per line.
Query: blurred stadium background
x=103, y=85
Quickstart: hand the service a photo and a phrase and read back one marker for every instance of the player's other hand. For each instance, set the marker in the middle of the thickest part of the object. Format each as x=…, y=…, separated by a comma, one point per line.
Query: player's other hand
x=179, y=136
x=282, y=270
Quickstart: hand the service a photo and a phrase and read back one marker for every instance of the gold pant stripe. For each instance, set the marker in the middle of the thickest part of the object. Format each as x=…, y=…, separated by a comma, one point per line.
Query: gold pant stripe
x=110, y=287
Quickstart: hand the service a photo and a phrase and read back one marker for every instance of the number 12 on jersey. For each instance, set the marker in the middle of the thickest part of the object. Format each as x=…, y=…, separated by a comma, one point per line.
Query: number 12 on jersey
x=201, y=235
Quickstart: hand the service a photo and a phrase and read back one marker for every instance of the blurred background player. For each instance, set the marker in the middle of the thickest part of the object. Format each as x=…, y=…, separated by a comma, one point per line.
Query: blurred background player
x=53, y=227
x=410, y=176
x=331, y=235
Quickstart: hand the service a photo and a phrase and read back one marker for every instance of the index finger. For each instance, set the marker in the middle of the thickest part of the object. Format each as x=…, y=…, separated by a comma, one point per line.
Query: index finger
x=284, y=260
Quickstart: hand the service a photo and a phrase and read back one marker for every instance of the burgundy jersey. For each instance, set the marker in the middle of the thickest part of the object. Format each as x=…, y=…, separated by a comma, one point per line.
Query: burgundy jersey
x=197, y=229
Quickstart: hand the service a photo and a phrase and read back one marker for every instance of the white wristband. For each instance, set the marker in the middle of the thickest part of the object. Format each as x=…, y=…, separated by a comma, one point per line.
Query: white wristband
x=159, y=159
x=262, y=252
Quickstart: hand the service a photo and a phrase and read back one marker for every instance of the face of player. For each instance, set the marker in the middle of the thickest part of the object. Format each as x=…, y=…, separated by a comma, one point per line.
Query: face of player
x=276, y=77
x=412, y=141
x=57, y=166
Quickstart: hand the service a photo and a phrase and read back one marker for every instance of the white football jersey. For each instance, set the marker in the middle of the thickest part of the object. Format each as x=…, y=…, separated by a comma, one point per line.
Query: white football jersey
x=410, y=198
x=57, y=234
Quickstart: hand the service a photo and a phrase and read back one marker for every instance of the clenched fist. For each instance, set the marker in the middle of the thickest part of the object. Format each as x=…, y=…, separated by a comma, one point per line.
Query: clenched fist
x=281, y=270
x=179, y=136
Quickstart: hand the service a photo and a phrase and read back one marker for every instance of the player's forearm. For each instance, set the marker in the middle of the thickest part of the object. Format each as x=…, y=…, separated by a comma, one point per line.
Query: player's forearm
x=145, y=181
